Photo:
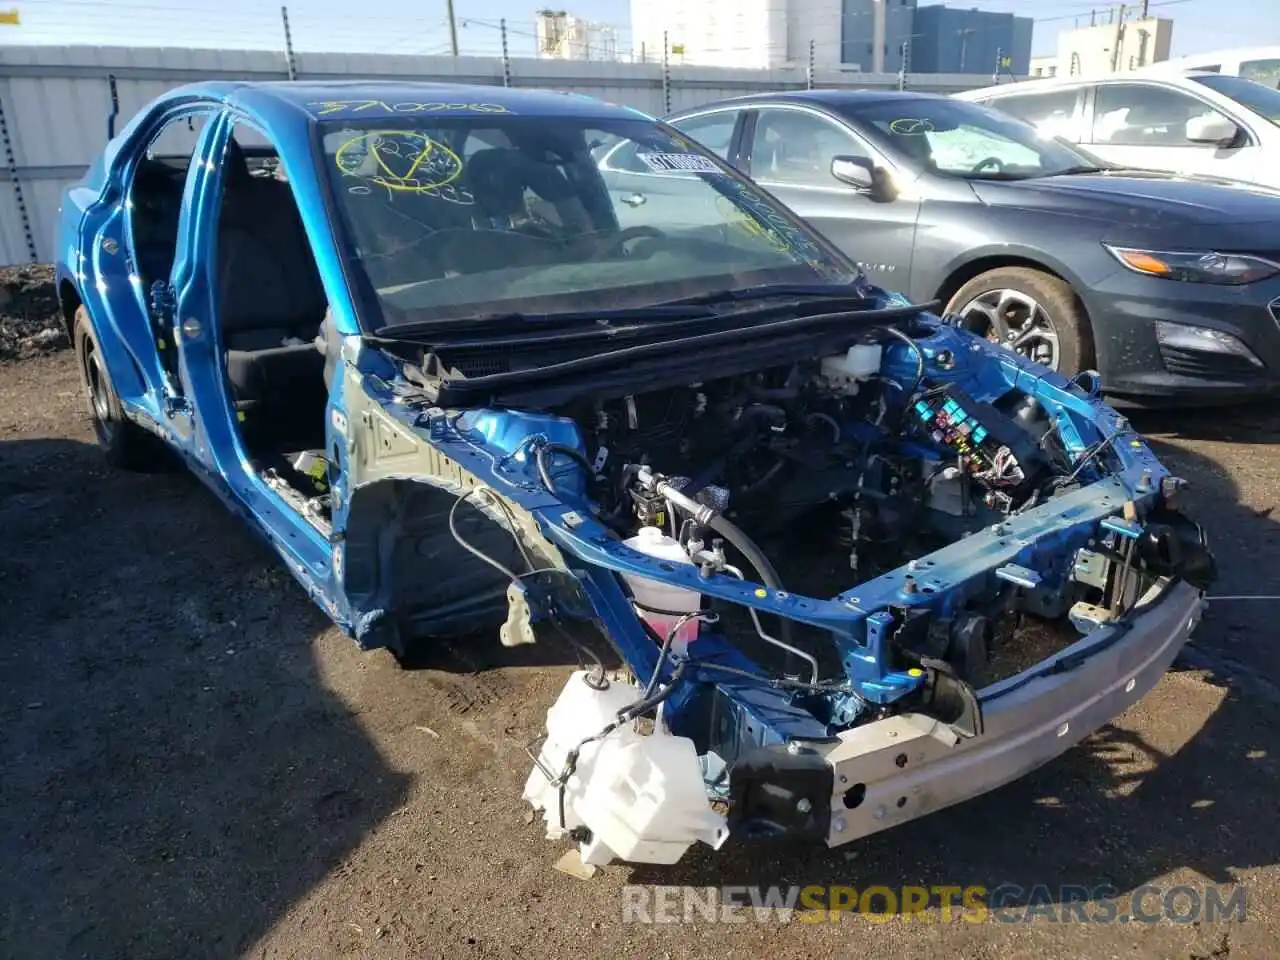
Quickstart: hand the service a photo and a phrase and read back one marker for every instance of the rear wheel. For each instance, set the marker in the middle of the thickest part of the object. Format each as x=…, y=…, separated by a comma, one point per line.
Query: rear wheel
x=1030, y=312
x=124, y=443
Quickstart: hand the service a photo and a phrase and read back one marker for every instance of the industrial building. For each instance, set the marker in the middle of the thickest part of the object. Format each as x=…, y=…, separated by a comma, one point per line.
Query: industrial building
x=1112, y=47
x=866, y=35
x=954, y=40
x=755, y=34
x=873, y=32
x=562, y=36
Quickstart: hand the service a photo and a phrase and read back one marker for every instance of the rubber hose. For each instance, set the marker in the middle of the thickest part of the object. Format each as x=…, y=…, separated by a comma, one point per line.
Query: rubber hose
x=541, y=460
x=755, y=556
x=647, y=703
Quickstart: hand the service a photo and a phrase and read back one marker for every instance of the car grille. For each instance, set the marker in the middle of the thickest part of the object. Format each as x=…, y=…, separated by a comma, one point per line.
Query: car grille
x=1210, y=366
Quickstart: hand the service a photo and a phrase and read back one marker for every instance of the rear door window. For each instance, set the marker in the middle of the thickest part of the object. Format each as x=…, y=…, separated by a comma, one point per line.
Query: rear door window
x=1053, y=112
x=713, y=130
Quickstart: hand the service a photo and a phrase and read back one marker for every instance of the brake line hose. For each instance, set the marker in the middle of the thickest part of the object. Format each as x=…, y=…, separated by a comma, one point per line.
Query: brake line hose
x=746, y=546
x=722, y=525
x=540, y=458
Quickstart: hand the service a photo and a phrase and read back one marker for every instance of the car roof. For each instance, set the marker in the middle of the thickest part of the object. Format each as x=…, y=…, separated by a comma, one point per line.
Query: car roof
x=353, y=99
x=1040, y=84
x=827, y=98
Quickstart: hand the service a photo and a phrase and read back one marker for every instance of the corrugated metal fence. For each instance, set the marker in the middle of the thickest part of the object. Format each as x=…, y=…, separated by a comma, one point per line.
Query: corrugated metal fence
x=54, y=102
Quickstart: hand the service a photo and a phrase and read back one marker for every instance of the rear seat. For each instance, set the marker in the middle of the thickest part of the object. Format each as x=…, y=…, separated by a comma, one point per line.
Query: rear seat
x=271, y=299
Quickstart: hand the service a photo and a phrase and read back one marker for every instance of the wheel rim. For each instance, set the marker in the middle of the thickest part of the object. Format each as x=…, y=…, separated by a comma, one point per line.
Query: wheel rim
x=1016, y=322
x=99, y=399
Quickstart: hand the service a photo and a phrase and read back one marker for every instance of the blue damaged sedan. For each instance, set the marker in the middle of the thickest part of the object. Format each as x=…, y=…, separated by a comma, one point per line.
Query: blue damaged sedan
x=471, y=379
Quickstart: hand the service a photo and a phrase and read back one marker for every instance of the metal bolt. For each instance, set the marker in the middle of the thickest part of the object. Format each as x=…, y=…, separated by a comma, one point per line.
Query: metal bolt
x=803, y=805
x=838, y=824
x=793, y=747
x=908, y=584
x=843, y=778
x=191, y=328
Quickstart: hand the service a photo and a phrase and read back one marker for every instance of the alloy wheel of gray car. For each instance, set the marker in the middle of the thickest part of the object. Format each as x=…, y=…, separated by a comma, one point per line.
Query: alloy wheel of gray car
x=1017, y=321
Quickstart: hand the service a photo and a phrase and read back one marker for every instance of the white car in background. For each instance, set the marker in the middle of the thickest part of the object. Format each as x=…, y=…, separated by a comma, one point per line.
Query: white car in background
x=1260, y=64
x=1196, y=123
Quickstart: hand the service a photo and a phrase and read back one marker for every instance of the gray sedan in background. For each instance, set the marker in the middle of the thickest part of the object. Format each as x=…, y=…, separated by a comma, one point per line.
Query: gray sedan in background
x=1167, y=285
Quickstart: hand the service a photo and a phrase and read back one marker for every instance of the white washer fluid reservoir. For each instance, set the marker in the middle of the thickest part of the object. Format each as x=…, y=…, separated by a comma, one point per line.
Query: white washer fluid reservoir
x=641, y=796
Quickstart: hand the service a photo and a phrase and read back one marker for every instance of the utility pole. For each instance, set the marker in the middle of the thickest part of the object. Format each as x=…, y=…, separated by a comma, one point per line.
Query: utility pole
x=1145, y=8
x=453, y=28
x=878, y=26
x=1115, y=53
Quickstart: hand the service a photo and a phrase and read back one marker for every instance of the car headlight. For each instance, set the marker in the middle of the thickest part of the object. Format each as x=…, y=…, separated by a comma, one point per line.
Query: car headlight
x=1196, y=266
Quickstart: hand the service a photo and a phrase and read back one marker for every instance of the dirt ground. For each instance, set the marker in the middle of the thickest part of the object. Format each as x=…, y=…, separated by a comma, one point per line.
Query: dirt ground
x=195, y=764
x=29, y=321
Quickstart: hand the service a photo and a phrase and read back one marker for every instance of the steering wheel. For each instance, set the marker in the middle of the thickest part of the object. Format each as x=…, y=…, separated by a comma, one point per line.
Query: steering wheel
x=614, y=243
x=989, y=162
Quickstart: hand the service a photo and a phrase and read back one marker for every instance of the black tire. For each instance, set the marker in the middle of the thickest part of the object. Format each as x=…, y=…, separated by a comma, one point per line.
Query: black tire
x=125, y=444
x=979, y=300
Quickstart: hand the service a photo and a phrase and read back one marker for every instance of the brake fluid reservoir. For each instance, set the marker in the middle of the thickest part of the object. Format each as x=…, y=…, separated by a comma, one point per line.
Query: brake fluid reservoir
x=661, y=604
x=846, y=370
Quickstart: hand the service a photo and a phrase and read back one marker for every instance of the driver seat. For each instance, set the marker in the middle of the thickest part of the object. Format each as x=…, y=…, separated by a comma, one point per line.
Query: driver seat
x=271, y=300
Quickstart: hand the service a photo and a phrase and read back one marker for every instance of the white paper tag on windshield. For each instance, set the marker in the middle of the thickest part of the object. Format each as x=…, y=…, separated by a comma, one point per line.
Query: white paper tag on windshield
x=678, y=163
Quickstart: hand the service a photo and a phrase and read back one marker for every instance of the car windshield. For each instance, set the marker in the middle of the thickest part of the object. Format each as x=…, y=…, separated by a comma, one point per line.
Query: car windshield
x=956, y=138
x=1261, y=100
x=493, y=213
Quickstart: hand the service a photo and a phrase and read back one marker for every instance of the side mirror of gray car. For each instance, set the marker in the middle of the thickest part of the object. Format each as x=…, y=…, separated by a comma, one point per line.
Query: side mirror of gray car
x=856, y=171
x=863, y=175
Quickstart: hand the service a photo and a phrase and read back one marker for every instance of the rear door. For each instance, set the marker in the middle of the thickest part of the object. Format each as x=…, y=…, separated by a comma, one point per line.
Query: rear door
x=1145, y=125
x=1055, y=113
x=788, y=150
x=645, y=196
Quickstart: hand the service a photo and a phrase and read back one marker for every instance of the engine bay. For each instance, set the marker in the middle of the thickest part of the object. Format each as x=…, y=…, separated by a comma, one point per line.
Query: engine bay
x=833, y=479
x=888, y=530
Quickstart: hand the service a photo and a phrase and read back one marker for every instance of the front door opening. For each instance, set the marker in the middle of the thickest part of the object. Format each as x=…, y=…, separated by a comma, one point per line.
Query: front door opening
x=271, y=308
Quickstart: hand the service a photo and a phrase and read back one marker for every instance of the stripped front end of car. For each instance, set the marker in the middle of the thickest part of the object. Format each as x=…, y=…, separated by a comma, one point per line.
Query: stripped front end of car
x=859, y=573
x=830, y=562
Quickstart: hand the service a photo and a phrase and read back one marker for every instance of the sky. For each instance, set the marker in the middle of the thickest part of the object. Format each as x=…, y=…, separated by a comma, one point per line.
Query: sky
x=420, y=26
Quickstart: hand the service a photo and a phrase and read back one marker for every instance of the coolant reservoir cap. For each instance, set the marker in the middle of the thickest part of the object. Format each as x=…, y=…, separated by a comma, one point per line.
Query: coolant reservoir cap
x=651, y=534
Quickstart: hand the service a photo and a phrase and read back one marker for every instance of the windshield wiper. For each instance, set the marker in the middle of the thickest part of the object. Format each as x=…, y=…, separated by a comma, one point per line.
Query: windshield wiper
x=512, y=320
x=1082, y=168
x=836, y=291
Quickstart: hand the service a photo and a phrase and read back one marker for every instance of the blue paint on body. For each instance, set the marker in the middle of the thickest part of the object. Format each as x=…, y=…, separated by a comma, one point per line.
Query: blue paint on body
x=191, y=409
